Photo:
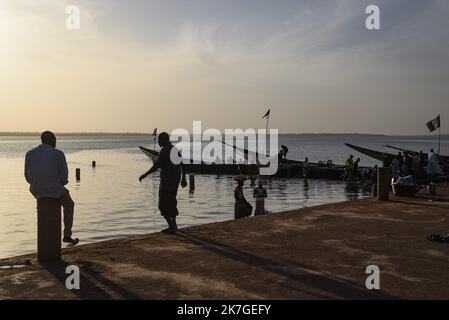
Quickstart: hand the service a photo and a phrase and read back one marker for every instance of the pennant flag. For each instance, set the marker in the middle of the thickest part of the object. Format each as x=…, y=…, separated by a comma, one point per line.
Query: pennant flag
x=154, y=133
x=267, y=115
x=434, y=124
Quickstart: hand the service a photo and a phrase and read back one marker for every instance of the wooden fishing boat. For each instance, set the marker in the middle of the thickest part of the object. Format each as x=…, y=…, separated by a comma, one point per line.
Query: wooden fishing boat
x=388, y=157
x=286, y=169
x=205, y=168
x=378, y=155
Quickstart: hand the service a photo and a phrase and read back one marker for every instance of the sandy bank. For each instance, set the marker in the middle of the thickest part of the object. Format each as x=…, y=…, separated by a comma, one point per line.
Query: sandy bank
x=313, y=253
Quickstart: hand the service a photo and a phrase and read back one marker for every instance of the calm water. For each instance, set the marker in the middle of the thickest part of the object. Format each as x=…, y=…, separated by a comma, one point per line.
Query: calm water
x=111, y=203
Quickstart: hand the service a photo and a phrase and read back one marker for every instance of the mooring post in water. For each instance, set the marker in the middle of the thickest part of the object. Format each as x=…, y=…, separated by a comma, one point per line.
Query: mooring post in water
x=78, y=174
x=48, y=230
x=383, y=184
x=94, y=164
x=192, y=183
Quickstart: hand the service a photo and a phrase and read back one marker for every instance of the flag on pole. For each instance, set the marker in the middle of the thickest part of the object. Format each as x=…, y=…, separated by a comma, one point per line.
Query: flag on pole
x=433, y=124
x=267, y=115
x=155, y=134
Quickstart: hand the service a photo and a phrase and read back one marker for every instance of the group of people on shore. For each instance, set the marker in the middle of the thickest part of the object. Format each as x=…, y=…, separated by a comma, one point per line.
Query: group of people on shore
x=418, y=165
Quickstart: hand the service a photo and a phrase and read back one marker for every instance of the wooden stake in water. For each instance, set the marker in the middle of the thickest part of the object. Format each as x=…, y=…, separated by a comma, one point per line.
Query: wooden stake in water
x=78, y=174
x=192, y=183
x=94, y=164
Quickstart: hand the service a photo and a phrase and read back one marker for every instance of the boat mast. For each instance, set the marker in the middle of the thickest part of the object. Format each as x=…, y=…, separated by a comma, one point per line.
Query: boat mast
x=266, y=131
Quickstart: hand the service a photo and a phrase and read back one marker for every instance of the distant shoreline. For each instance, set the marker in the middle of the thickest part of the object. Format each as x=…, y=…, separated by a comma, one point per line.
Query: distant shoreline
x=106, y=134
x=76, y=134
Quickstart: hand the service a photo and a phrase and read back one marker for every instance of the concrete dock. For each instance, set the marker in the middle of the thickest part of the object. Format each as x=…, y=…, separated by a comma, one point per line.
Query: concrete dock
x=314, y=253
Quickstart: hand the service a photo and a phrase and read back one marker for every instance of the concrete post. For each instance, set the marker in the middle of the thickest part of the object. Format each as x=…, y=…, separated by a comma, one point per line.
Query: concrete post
x=383, y=184
x=48, y=230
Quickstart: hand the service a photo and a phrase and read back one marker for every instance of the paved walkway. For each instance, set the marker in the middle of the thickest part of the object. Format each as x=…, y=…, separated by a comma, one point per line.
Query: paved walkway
x=314, y=253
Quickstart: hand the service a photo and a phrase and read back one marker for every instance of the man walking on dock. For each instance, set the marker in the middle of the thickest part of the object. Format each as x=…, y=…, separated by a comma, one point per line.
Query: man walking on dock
x=171, y=175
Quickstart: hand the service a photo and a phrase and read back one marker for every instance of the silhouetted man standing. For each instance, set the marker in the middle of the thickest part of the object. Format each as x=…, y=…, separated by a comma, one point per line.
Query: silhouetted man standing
x=47, y=173
x=171, y=175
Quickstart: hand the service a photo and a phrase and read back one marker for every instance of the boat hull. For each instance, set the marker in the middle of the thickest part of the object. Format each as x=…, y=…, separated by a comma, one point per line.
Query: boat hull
x=286, y=169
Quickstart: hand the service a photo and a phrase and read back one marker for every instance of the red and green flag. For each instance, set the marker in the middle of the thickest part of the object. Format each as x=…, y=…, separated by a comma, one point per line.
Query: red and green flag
x=433, y=124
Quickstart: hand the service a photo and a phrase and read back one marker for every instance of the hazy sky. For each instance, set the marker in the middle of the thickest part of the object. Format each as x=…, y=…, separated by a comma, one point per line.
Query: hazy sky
x=140, y=64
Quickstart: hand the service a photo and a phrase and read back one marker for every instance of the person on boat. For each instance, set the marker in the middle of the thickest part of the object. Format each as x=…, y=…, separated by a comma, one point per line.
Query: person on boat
x=407, y=168
x=242, y=207
x=356, y=165
x=171, y=176
x=386, y=160
x=306, y=168
x=366, y=175
x=284, y=152
x=374, y=175
x=47, y=173
x=350, y=162
x=349, y=166
x=374, y=180
x=401, y=160
x=433, y=167
x=395, y=167
x=260, y=193
x=281, y=156
x=418, y=165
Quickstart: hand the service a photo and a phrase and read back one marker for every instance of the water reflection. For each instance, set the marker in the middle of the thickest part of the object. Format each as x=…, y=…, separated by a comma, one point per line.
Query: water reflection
x=356, y=190
x=367, y=190
x=282, y=187
x=111, y=203
x=306, y=189
x=352, y=191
